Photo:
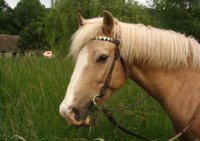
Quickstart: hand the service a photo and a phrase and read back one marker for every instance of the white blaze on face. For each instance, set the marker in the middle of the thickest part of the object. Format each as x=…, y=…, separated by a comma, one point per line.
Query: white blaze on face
x=82, y=62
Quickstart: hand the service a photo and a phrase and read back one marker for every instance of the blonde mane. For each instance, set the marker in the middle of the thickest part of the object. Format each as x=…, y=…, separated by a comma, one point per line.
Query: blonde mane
x=156, y=47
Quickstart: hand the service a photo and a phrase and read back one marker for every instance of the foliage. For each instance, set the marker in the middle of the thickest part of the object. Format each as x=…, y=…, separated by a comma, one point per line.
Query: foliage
x=33, y=38
x=13, y=21
x=28, y=11
x=31, y=16
x=27, y=20
x=179, y=15
x=61, y=22
x=7, y=19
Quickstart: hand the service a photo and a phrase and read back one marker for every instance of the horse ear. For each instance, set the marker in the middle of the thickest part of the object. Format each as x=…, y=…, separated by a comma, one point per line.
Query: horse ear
x=81, y=20
x=108, y=22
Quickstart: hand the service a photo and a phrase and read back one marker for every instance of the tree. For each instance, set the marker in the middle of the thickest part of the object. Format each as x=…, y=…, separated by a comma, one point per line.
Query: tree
x=33, y=38
x=31, y=16
x=179, y=15
x=7, y=19
x=28, y=11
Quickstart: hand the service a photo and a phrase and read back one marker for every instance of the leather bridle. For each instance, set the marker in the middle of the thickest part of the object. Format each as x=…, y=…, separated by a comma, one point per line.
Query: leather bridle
x=109, y=76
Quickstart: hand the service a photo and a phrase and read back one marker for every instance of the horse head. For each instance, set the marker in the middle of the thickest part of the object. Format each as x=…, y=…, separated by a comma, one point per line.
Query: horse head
x=95, y=59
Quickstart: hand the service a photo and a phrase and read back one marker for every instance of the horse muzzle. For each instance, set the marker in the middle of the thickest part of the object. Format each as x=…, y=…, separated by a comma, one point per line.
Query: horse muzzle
x=74, y=117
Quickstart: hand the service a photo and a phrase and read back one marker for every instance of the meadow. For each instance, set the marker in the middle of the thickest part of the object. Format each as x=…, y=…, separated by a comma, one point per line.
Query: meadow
x=31, y=90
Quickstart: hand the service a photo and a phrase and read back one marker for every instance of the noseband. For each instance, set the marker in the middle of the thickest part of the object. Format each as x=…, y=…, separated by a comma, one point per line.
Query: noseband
x=109, y=76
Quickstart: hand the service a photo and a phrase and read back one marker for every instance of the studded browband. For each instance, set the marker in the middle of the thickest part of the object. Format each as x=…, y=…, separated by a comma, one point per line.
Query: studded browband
x=106, y=39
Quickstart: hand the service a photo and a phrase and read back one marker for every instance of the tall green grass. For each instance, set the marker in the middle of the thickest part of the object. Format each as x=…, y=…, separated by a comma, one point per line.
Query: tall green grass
x=31, y=90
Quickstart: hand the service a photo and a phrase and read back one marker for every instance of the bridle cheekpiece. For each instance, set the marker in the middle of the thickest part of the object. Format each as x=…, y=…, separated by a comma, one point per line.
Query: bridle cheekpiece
x=109, y=76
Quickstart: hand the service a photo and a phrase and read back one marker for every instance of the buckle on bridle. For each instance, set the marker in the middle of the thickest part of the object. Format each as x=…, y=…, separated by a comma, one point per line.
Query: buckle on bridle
x=100, y=96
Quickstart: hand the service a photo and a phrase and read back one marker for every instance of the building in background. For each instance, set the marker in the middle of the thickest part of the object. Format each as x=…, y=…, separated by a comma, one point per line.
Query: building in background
x=8, y=45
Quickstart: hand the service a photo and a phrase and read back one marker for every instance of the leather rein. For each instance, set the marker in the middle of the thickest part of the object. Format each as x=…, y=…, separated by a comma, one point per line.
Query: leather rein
x=102, y=93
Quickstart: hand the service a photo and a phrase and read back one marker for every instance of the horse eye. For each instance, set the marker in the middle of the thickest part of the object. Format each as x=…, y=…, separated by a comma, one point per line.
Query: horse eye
x=102, y=58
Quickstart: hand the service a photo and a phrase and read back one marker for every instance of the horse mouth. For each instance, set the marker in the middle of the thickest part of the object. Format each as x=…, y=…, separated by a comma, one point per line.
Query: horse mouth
x=72, y=120
x=83, y=117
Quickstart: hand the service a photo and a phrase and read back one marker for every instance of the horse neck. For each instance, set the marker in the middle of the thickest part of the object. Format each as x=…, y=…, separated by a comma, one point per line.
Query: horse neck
x=177, y=90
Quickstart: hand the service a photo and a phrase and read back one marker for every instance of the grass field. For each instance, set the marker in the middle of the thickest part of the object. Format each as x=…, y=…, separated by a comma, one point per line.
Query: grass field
x=31, y=90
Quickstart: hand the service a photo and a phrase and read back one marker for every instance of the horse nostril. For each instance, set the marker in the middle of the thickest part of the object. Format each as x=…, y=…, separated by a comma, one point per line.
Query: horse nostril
x=77, y=116
x=75, y=111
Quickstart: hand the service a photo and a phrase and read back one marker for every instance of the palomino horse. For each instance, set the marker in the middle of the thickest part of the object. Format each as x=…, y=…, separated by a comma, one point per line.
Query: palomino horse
x=165, y=63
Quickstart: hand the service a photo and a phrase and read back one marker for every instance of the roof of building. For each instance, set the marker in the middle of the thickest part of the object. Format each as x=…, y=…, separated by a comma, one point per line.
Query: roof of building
x=8, y=42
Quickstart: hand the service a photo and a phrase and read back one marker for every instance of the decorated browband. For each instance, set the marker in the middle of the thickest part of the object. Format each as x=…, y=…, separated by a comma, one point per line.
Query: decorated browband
x=106, y=39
